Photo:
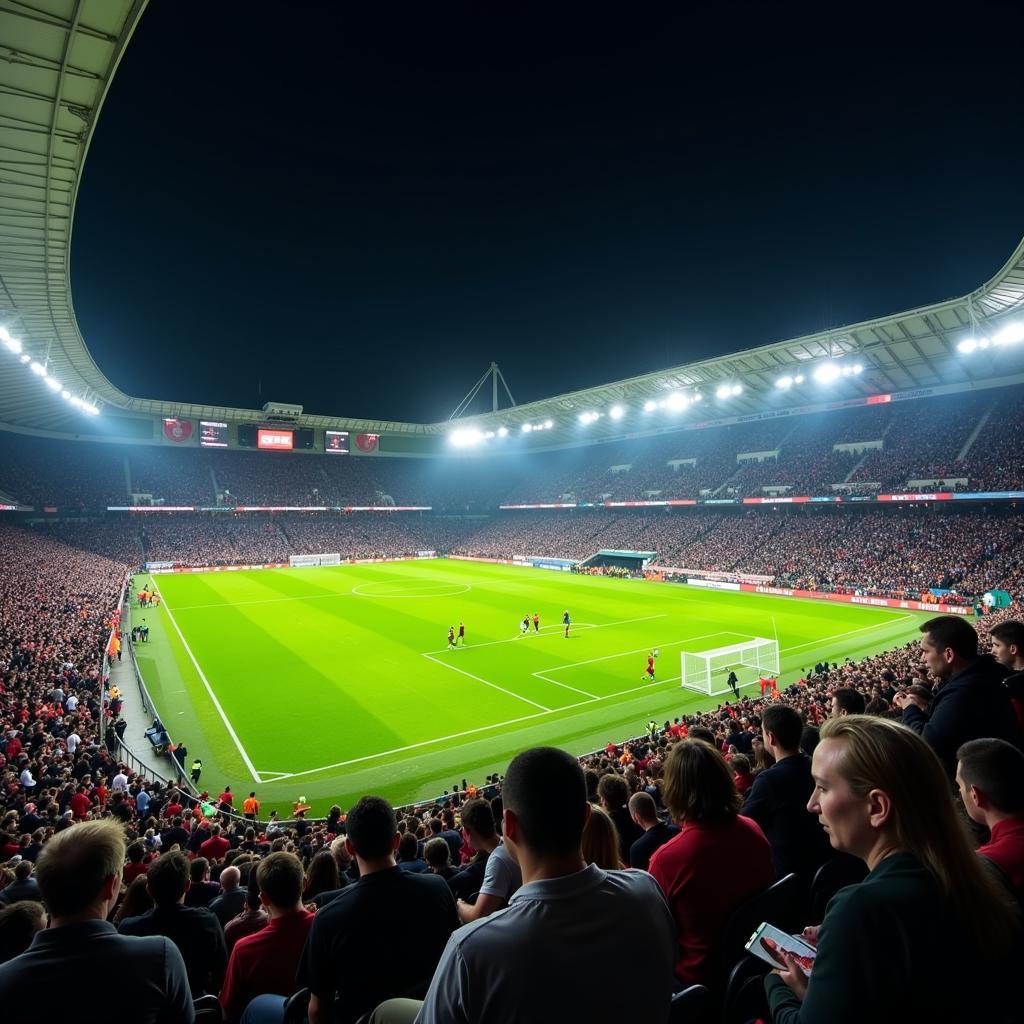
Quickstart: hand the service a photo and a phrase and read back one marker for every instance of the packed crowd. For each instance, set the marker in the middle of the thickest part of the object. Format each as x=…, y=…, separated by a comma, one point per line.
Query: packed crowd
x=681, y=829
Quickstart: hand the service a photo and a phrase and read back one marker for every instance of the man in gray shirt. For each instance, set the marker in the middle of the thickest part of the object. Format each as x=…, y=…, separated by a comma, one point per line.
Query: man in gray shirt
x=79, y=874
x=519, y=963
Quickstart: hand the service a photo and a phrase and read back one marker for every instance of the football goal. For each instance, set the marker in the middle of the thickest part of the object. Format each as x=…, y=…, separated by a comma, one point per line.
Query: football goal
x=707, y=671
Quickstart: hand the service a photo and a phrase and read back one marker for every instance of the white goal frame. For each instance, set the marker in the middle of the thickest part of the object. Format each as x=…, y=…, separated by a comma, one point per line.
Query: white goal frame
x=707, y=671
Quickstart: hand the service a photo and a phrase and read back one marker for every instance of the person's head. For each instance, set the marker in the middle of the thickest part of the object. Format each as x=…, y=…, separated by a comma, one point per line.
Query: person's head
x=740, y=764
x=136, y=900
x=613, y=791
x=136, y=851
x=698, y=787
x=279, y=880
x=23, y=871
x=948, y=643
x=341, y=855
x=1008, y=644
x=881, y=790
x=408, y=846
x=478, y=820
x=701, y=732
x=600, y=841
x=847, y=701
x=781, y=727
x=230, y=878
x=199, y=870
x=372, y=830
x=19, y=923
x=990, y=777
x=168, y=878
x=79, y=870
x=437, y=854
x=643, y=810
x=545, y=804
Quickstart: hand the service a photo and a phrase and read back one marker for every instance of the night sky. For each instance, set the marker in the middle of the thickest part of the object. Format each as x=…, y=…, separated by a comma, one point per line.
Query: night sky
x=362, y=209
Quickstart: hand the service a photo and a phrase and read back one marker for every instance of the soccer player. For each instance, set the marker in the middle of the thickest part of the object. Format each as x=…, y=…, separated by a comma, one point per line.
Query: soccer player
x=462, y=634
x=536, y=623
x=733, y=684
x=524, y=626
x=451, y=638
x=566, y=622
x=649, y=671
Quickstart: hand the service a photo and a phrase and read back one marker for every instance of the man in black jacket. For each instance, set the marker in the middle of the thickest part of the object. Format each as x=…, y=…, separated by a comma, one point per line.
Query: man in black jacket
x=971, y=703
x=1008, y=650
x=777, y=800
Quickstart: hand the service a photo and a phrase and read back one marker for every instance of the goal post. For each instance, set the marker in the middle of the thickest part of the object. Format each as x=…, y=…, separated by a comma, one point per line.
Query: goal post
x=707, y=671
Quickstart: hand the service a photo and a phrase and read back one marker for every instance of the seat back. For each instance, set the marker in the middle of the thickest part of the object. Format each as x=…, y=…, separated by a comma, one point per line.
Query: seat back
x=836, y=873
x=691, y=1006
x=295, y=1007
x=745, y=998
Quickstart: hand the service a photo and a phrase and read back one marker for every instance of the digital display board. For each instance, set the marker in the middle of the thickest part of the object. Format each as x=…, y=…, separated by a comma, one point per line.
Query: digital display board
x=336, y=441
x=213, y=435
x=274, y=439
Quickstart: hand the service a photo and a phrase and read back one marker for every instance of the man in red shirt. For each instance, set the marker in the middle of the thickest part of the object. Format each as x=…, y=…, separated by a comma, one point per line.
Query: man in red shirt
x=990, y=776
x=264, y=964
x=79, y=804
x=226, y=799
x=215, y=847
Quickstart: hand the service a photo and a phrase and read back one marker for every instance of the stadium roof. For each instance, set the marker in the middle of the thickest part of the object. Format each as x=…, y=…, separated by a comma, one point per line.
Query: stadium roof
x=57, y=60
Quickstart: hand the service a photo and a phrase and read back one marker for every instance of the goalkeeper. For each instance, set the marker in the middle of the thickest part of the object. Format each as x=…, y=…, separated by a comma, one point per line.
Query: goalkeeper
x=733, y=684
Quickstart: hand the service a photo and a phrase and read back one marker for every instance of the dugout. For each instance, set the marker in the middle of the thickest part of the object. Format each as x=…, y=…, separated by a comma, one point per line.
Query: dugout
x=631, y=561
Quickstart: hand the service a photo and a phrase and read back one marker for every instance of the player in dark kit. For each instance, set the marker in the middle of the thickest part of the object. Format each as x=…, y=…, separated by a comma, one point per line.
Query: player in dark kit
x=451, y=637
x=462, y=634
x=732, y=682
x=536, y=623
x=566, y=621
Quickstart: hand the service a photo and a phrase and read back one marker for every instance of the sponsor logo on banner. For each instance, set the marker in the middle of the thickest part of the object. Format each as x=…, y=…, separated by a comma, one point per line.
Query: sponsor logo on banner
x=713, y=584
x=367, y=442
x=875, y=602
x=177, y=431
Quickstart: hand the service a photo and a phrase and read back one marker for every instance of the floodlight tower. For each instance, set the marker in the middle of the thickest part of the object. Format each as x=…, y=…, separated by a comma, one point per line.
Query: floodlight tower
x=494, y=372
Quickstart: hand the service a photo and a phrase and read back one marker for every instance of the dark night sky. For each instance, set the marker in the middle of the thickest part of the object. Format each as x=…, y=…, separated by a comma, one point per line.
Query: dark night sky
x=363, y=209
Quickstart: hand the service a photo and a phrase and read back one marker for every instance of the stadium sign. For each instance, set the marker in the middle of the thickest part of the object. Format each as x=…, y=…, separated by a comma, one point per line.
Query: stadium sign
x=877, y=602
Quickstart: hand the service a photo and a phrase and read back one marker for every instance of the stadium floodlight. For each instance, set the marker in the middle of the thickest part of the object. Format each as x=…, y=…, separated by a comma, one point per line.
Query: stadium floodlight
x=53, y=384
x=616, y=412
x=11, y=343
x=650, y=405
x=526, y=428
x=589, y=417
x=502, y=431
x=826, y=373
x=676, y=402
x=38, y=369
x=784, y=383
x=1010, y=335
x=90, y=408
x=697, y=396
x=724, y=391
x=65, y=394
x=548, y=424
x=26, y=358
x=465, y=437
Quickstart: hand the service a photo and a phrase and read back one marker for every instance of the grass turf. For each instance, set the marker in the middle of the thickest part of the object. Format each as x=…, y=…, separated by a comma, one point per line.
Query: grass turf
x=334, y=682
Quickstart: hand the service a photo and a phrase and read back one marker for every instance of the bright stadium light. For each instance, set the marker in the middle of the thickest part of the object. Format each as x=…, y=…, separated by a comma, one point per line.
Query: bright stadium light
x=967, y=346
x=26, y=358
x=465, y=437
x=589, y=417
x=53, y=384
x=526, y=428
x=38, y=369
x=826, y=373
x=1010, y=335
x=784, y=383
x=11, y=343
x=502, y=431
x=90, y=408
x=723, y=391
x=650, y=405
x=548, y=424
x=676, y=402
x=616, y=412
x=65, y=394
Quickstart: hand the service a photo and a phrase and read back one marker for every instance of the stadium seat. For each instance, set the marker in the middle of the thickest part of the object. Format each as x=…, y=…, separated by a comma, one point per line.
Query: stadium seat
x=691, y=1006
x=833, y=875
x=745, y=999
x=780, y=904
x=295, y=1007
x=208, y=1010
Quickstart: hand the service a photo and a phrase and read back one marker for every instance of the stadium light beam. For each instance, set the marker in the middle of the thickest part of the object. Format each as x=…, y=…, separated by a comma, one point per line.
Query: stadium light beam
x=650, y=405
x=502, y=431
x=38, y=369
x=616, y=412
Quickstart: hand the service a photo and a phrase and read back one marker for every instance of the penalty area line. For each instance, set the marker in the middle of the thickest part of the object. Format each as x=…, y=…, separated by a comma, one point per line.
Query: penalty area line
x=209, y=689
x=486, y=682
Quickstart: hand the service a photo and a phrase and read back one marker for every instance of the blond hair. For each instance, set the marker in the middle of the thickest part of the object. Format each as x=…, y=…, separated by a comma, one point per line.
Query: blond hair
x=74, y=865
x=600, y=840
x=881, y=754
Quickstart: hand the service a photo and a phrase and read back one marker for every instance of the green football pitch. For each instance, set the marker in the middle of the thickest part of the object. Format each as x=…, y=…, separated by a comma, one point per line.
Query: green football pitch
x=330, y=683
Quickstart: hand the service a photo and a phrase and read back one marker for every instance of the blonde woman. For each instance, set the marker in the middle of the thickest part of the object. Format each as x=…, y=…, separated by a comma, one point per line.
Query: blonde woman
x=601, y=841
x=928, y=934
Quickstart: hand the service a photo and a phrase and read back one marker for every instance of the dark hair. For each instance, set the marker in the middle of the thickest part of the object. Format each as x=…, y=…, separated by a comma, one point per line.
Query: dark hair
x=477, y=815
x=279, y=878
x=167, y=878
x=371, y=827
x=997, y=769
x=878, y=706
x=953, y=632
x=19, y=923
x=740, y=763
x=643, y=806
x=784, y=721
x=592, y=777
x=614, y=790
x=809, y=739
x=702, y=733
x=136, y=851
x=545, y=789
x=407, y=846
x=1011, y=632
x=436, y=853
x=198, y=868
x=849, y=700
x=698, y=786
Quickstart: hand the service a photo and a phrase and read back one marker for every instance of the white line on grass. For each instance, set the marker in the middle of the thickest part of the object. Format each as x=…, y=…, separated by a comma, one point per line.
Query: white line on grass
x=839, y=636
x=639, y=650
x=480, y=679
x=209, y=690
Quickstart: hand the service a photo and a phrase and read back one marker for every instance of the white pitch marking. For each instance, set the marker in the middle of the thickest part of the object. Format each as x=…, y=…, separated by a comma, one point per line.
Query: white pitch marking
x=480, y=679
x=639, y=650
x=839, y=636
x=209, y=689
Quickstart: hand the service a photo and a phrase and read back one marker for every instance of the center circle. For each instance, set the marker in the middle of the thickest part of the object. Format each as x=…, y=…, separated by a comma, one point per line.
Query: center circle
x=399, y=588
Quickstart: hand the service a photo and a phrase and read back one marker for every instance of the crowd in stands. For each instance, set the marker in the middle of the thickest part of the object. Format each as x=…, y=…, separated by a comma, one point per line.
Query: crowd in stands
x=921, y=440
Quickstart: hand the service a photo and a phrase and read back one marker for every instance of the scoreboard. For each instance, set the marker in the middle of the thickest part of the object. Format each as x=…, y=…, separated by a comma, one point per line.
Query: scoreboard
x=213, y=435
x=275, y=439
x=336, y=442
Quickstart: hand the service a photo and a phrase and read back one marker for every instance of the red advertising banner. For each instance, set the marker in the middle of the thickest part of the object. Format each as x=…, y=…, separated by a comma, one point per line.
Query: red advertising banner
x=275, y=440
x=875, y=602
x=934, y=496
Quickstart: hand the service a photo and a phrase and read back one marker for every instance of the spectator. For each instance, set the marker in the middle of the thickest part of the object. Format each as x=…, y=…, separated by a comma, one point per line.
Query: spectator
x=502, y=877
x=971, y=704
x=742, y=776
x=657, y=833
x=478, y=824
x=201, y=891
x=79, y=873
x=19, y=923
x=214, y=848
x=847, y=701
x=449, y=835
x=321, y=877
x=882, y=796
x=600, y=841
x=354, y=947
x=343, y=862
x=262, y=966
x=567, y=918
x=990, y=777
x=437, y=855
x=408, y=855
x=777, y=800
x=1008, y=650
x=231, y=901
x=24, y=886
x=719, y=860
x=194, y=930
x=249, y=921
x=135, y=901
x=613, y=791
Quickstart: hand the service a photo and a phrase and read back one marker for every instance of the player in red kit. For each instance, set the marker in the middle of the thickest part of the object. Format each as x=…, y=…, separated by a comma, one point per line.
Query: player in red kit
x=649, y=672
x=536, y=623
x=462, y=634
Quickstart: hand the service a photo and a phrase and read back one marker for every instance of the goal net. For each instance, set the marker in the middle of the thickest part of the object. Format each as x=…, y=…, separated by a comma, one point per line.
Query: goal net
x=708, y=671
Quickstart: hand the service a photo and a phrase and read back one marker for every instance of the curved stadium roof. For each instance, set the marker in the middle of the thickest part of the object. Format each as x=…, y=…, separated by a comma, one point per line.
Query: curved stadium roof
x=57, y=60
